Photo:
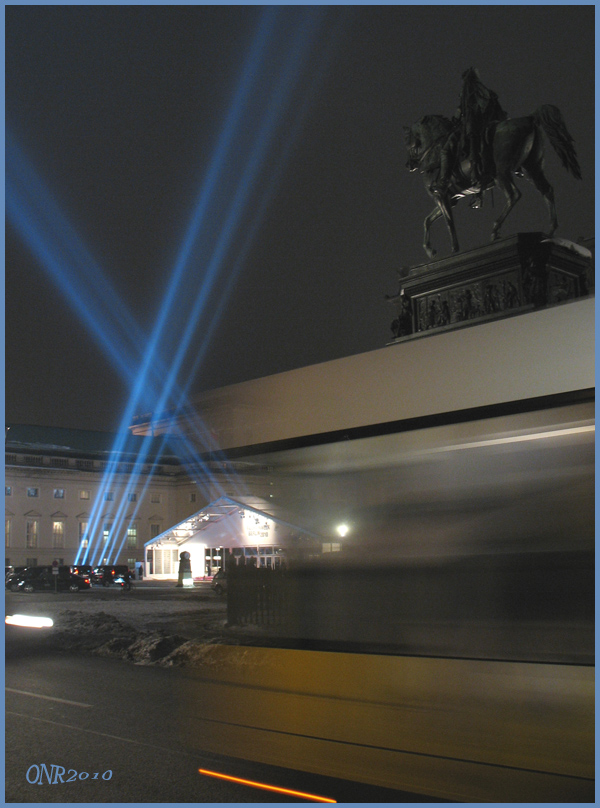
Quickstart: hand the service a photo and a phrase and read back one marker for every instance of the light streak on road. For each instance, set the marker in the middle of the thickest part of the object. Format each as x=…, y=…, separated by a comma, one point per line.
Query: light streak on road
x=277, y=789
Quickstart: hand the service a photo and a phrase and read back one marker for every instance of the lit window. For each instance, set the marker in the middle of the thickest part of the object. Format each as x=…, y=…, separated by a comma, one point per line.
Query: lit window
x=132, y=537
x=106, y=531
x=84, y=495
x=7, y=532
x=59, y=493
x=33, y=492
x=109, y=496
x=8, y=490
x=31, y=536
x=155, y=498
x=132, y=497
x=58, y=534
x=83, y=538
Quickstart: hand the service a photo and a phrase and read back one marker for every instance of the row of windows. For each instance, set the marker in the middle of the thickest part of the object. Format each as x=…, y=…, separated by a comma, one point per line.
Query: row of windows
x=59, y=493
x=32, y=532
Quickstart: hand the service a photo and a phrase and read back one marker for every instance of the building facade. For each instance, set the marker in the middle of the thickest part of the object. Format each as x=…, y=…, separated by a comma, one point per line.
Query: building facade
x=70, y=497
x=61, y=505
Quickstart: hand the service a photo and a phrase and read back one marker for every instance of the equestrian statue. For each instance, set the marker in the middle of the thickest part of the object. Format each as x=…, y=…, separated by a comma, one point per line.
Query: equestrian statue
x=481, y=148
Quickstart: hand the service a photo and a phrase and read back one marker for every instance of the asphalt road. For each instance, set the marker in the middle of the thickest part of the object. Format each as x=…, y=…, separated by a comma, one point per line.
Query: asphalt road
x=94, y=715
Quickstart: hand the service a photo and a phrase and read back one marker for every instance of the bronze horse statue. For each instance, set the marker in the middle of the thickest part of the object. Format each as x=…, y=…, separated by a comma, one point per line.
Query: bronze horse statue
x=516, y=150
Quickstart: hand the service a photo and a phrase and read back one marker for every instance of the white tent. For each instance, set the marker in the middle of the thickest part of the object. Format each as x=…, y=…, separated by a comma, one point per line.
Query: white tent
x=224, y=525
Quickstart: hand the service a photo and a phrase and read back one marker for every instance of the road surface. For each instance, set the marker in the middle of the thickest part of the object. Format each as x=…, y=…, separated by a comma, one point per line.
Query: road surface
x=94, y=715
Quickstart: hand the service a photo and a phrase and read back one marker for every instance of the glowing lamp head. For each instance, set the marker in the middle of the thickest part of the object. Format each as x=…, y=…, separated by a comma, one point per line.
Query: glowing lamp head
x=342, y=530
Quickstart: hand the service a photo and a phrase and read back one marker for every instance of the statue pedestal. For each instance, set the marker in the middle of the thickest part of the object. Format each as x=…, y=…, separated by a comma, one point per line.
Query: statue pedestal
x=508, y=277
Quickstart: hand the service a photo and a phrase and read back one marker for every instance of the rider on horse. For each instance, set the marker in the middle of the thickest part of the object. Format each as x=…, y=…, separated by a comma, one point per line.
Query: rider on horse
x=479, y=107
x=482, y=149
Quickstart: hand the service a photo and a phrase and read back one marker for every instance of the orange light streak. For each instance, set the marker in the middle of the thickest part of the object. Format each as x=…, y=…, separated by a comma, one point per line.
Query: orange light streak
x=279, y=790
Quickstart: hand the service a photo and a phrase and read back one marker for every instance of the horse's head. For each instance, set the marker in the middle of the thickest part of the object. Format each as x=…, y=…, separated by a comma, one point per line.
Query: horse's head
x=414, y=146
x=424, y=134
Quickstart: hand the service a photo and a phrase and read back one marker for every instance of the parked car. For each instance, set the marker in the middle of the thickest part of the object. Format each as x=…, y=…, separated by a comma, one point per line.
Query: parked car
x=19, y=571
x=82, y=569
x=219, y=582
x=106, y=574
x=33, y=581
x=10, y=571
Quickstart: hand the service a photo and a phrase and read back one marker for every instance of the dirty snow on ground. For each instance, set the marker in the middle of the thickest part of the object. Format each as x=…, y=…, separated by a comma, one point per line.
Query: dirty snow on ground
x=176, y=629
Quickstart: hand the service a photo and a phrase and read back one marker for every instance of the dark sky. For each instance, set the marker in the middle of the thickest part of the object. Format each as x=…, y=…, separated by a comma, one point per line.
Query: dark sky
x=120, y=110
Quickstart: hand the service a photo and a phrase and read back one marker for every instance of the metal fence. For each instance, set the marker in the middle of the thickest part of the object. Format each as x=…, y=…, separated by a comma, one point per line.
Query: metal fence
x=256, y=595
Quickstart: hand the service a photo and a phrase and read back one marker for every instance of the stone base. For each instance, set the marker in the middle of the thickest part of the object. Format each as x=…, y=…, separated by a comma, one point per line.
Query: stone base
x=508, y=277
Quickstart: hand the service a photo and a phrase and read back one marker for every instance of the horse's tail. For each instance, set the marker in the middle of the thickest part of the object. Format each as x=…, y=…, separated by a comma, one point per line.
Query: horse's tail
x=553, y=124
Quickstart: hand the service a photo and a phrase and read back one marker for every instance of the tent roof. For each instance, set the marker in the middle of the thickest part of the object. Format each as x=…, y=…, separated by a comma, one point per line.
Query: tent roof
x=221, y=508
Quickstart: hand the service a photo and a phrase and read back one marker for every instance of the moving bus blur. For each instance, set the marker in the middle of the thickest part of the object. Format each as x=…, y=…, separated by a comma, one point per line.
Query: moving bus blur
x=441, y=639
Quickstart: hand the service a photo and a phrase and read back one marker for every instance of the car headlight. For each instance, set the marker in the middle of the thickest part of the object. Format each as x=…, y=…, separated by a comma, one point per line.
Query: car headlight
x=28, y=621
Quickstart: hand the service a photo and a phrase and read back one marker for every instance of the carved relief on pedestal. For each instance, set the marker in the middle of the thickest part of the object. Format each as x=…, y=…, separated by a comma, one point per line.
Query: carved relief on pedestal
x=403, y=325
x=534, y=283
x=468, y=302
x=522, y=273
x=561, y=287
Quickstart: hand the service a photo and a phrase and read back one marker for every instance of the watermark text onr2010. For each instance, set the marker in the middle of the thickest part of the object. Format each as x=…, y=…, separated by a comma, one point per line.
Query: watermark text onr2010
x=38, y=773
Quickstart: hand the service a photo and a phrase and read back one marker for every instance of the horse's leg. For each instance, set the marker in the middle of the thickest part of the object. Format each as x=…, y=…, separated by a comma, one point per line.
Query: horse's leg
x=433, y=217
x=513, y=143
x=511, y=192
x=536, y=174
x=445, y=208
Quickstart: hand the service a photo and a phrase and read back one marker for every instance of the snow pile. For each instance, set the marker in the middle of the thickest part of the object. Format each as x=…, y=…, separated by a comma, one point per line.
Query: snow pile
x=194, y=653
x=173, y=637
x=106, y=635
x=70, y=621
x=171, y=629
x=144, y=650
x=578, y=249
x=73, y=629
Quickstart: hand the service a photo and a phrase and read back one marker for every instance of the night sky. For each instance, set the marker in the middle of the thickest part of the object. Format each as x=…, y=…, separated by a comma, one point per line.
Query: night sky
x=121, y=111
